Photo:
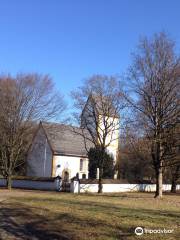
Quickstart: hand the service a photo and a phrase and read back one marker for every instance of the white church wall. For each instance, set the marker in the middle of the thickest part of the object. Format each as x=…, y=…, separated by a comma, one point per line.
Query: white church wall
x=71, y=164
x=39, y=160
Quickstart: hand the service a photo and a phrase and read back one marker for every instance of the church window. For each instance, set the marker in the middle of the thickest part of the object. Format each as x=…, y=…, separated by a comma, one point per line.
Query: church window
x=81, y=164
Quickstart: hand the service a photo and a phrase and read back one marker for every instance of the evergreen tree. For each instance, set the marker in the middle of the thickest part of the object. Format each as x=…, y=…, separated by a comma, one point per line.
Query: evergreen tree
x=95, y=155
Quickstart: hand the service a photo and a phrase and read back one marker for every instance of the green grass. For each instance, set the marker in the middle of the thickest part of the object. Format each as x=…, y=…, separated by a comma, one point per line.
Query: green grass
x=49, y=215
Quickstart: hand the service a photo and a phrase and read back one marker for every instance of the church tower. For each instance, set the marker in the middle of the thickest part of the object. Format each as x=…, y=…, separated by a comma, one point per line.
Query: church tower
x=101, y=119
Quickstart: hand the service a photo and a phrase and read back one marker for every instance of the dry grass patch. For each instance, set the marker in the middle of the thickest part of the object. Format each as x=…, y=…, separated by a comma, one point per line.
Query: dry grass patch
x=50, y=215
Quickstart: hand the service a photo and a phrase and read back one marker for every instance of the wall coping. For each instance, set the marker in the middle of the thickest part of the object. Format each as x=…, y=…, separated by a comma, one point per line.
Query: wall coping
x=27, y=178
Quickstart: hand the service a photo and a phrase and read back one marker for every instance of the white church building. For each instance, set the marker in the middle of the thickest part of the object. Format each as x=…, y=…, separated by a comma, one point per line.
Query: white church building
x=57, y=150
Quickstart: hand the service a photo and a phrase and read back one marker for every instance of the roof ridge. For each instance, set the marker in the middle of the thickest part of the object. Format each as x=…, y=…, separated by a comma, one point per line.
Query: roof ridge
x=60, y=124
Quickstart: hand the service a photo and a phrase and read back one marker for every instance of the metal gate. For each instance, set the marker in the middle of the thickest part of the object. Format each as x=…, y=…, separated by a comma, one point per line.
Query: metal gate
x=65, y=186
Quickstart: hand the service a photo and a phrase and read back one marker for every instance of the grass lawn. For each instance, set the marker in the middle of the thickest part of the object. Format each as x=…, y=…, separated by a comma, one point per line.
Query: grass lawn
x=50, y=215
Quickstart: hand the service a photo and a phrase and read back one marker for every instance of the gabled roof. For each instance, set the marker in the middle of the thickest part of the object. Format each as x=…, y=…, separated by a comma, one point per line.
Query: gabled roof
x=64, y=139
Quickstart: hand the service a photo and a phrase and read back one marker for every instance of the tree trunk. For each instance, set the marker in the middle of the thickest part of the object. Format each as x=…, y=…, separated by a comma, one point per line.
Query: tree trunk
x=173, y=186
x=159, y=183
x=159, y=170
x=9, y=182
x=100, y=186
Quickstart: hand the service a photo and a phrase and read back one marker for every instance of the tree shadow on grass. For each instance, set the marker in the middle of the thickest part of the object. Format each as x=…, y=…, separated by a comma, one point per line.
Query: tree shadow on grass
x=18, y=221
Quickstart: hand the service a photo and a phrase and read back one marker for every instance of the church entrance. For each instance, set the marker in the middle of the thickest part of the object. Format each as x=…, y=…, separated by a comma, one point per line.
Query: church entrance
x=66, y=176
x=65, y=181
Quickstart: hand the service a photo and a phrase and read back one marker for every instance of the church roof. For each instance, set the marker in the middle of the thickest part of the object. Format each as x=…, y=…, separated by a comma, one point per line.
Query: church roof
x=65, y=139
x=103, y=105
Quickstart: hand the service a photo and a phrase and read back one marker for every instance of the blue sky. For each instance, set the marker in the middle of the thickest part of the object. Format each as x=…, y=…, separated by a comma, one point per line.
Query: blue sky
x=74, y=39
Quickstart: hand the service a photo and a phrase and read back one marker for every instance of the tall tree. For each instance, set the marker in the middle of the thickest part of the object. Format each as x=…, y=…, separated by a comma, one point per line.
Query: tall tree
x=155, y=75
x=98, y=104
x=24, y=100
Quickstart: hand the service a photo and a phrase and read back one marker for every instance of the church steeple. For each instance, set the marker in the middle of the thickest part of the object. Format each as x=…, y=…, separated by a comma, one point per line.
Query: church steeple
x=101, y=119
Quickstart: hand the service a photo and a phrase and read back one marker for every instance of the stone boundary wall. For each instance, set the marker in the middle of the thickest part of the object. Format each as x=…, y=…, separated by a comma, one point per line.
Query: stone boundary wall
x=50, y=184
x=81, y=186
x=78, y=187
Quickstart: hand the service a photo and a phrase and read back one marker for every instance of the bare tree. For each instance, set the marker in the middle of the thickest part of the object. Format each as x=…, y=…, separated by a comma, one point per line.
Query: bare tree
x=99, y=102
x=24, y=100
x=134, y=159
x=155, y=76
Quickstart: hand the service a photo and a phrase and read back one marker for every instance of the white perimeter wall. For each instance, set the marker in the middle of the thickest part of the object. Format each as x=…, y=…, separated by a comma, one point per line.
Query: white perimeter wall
x=30, y=184
x=108, y=188
x=70, y=163
x=83, y=188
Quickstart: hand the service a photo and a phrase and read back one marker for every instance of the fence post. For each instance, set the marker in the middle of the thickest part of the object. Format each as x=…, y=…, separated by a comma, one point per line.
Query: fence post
x=58, y=184
x=75, y=186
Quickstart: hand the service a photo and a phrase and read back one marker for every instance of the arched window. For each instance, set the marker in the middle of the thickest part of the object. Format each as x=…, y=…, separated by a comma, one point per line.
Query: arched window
x=81, y=165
